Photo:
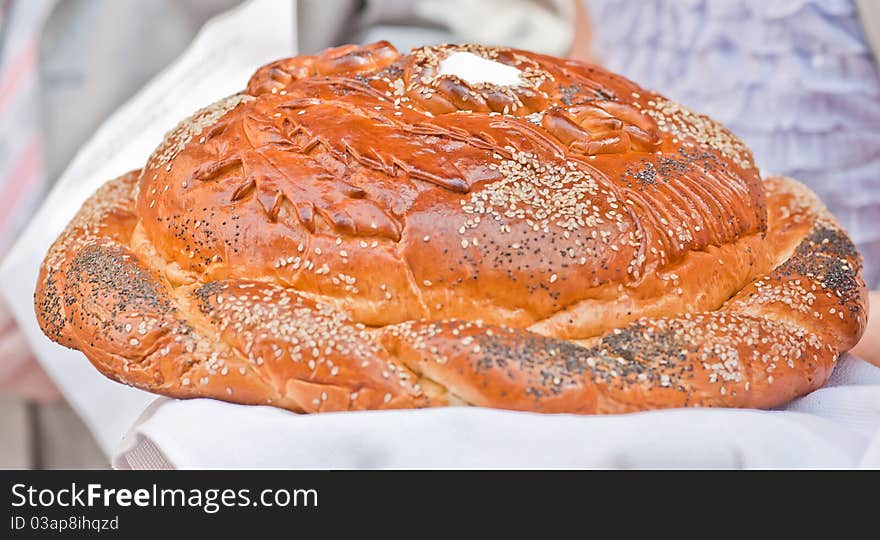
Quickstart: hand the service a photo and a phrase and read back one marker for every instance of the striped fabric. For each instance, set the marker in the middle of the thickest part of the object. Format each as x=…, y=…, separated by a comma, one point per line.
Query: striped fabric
x=22, y=178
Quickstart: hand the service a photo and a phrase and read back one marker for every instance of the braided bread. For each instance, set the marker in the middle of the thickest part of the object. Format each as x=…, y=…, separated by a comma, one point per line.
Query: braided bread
x=361, y=230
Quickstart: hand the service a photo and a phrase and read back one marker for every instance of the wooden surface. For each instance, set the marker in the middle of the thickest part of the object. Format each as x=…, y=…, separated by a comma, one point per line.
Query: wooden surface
x=45, y=436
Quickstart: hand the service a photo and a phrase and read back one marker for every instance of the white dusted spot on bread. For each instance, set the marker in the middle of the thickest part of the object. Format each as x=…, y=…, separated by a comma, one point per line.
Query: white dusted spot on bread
x=364, y=232
x=475, y=69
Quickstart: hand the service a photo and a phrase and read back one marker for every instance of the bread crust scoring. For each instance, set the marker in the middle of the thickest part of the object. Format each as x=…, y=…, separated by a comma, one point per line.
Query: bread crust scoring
x=358, y=231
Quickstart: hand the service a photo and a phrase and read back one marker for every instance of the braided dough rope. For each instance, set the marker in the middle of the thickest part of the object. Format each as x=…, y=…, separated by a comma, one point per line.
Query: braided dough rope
x=257, y=343
x=358, y=231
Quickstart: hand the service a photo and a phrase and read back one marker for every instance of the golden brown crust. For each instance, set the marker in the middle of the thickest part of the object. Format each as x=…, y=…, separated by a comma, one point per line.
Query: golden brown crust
x=775, y=340
x=356, y=231
x=560, y=192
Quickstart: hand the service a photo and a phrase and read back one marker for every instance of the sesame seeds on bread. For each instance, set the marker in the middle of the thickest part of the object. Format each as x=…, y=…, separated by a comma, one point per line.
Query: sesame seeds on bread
x=359, y=230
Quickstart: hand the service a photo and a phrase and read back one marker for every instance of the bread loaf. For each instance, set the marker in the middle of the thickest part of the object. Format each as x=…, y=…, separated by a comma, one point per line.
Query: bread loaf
x=362, y=229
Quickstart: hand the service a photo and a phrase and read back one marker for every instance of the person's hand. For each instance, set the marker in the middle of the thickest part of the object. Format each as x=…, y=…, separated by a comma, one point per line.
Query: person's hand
x=868, y=348
x=20, y=373
x=582, y=43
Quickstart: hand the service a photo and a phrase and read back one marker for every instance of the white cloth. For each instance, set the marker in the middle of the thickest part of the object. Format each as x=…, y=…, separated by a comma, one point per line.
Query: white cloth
x=837, y=426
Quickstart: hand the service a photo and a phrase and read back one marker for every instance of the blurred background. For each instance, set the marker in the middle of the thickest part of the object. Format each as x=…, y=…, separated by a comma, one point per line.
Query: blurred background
x=66, y=65
x=797, y=79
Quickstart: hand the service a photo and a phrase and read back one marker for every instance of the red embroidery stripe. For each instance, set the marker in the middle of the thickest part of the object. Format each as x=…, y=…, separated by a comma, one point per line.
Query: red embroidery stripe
x=24, y=174
x=20, y=66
